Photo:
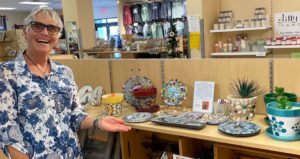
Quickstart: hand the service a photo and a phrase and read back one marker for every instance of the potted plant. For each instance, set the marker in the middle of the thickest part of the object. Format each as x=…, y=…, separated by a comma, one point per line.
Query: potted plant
x=284, y=119
x=279, y=92
x=243, y=98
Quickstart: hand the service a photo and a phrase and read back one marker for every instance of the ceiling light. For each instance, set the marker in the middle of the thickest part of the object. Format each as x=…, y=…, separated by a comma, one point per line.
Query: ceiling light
x=34, y=3
x=6, y=8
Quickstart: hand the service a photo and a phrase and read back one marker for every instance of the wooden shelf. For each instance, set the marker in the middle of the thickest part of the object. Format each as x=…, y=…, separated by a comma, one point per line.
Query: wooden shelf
x=283, y=47
x=239, y=54
x=240, y=29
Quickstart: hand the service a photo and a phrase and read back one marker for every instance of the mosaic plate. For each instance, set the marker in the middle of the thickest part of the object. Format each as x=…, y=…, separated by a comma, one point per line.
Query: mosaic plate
x=132, y=83
x=214, y=119
x=244, y=129
x=270, y=133
x=96, y=97
x=178, y=122
x=138, y=117
x=174, y=92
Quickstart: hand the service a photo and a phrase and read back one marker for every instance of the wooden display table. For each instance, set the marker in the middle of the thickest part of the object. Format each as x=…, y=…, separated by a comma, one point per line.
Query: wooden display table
x=225, y=147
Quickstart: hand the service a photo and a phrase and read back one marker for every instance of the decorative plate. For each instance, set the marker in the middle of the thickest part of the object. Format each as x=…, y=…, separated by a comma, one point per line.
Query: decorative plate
x=284, y=138
x=138, y=117
x=174, y=92
x=214, y=119
x=82, y=93
x=96, y=97
x=242, y=130
x=178, y=122
x=85, y=98
x=131, y=84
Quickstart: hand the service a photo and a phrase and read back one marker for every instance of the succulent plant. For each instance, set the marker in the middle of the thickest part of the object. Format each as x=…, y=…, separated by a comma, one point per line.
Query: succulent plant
x=245, y=88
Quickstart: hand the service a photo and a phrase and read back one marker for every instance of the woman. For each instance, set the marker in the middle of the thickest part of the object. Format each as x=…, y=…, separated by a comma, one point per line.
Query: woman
x=39, y=109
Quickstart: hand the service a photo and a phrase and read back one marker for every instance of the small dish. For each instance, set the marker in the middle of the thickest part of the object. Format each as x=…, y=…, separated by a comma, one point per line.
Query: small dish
x=138, y=117
x=270, y=133
x=240, y=129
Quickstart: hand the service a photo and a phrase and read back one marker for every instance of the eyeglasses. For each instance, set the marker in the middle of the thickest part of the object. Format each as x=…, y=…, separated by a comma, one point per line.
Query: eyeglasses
x=39, y=27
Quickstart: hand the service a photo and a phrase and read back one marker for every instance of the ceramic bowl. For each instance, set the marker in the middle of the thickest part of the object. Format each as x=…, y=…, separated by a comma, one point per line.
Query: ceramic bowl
x=284, y=123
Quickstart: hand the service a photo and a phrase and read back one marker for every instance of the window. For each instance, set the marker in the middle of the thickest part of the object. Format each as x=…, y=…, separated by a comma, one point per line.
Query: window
x=106, y=27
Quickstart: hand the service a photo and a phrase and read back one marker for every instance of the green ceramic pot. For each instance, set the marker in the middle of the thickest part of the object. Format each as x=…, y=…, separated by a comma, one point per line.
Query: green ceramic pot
x=270, y=97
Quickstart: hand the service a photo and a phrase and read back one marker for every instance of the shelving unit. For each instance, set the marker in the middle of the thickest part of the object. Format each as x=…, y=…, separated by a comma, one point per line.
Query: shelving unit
x=261, y=54
x=283, y=47
x=241, y=29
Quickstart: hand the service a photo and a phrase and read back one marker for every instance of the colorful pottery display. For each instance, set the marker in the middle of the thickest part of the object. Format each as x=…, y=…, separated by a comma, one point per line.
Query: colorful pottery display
x=174, y=92
x=241, y=109
x=113, y=103
x=241, y=129
x=284, y=123
x=131, y=84
x=138, y=117
x=146, y=97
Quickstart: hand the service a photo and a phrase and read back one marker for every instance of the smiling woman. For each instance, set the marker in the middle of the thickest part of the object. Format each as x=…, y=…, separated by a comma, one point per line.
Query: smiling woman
x=40, y=113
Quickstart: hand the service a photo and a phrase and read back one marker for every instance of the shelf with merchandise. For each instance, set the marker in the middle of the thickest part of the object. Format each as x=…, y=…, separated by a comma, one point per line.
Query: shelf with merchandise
x=259, y=54
x=283, y=47
x=241, y=29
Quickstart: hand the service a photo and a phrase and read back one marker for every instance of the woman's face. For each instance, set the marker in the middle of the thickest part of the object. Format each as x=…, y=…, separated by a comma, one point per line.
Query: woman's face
x=41, y=41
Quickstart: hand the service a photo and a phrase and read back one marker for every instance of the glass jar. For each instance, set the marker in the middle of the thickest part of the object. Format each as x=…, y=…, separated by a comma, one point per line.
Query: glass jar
x=258, y=23
x=264, y=22
x=246, y=23
x=239, y=24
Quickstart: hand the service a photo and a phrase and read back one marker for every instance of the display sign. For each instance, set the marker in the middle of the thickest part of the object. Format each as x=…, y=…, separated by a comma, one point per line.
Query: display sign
x=287, y=24
x=195, y=40
x=203, y=96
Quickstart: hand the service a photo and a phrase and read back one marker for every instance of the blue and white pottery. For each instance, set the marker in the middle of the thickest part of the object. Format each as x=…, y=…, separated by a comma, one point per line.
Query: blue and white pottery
x=285, y=123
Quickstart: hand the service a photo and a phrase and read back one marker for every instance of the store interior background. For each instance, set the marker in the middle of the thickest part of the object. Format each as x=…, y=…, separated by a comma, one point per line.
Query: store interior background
x=86, y=14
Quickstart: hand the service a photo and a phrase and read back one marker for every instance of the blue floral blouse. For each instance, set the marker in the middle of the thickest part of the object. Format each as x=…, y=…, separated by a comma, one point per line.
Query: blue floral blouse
x=39, y=116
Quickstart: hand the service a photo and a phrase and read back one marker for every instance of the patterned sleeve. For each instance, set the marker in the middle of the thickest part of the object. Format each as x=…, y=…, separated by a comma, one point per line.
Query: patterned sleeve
x=10, y=133
x=77, y=115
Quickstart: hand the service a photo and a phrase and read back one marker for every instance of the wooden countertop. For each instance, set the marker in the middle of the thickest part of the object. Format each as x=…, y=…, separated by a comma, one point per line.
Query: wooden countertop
x=211, y=133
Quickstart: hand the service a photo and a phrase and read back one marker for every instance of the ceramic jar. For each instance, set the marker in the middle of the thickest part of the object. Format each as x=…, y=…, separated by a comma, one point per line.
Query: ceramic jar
x=241, y=109
x=146, y=97
x=113, y=103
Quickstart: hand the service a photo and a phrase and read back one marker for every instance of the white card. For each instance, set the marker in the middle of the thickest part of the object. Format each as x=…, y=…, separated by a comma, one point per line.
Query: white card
x=203, y=96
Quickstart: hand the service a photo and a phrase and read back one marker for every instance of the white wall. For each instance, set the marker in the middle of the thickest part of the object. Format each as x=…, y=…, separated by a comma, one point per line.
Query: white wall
x=13, y=18
x=105, y=12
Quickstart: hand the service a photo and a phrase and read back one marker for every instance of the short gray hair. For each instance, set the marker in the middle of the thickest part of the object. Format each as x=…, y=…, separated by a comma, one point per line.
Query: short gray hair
x=46, y=10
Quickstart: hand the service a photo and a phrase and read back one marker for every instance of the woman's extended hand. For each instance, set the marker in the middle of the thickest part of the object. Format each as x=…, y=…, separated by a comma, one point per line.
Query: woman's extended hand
x=113, y=124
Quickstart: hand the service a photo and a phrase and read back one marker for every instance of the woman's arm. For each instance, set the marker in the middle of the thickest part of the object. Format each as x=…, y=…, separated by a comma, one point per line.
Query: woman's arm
x=108, y=123
x=15, y=154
